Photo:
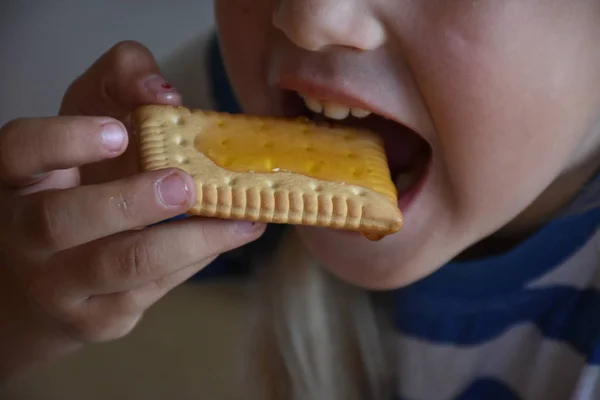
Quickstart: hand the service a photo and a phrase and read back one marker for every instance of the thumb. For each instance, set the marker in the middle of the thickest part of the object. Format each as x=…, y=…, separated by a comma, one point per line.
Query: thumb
x=122, y=79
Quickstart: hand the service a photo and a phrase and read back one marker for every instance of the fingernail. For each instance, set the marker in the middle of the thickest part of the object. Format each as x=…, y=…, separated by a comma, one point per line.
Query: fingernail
x=173, y=191
x=159, y=87
x=113, y=136
x=248, y=226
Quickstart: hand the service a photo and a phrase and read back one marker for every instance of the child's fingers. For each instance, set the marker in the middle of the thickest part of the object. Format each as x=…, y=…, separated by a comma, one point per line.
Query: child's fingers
x=147, y=295
x=133, y=260
x=57, y=220
x=112, y=316
x=99, y=290
x=101, y=319
x=125, y=77
x=30, y=147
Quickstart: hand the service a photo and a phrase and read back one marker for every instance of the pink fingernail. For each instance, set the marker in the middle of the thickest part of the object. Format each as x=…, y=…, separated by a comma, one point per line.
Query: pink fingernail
x=159, y=87
x=173, y=191
x=248, y=226
x=113, y=136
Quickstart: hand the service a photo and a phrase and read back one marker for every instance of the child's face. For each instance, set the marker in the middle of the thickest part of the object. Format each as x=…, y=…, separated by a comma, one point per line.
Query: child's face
x=503, y=98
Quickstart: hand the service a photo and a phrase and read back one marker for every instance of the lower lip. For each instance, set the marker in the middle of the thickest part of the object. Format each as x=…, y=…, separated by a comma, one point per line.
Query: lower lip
x=404, y=201
x=407, y=198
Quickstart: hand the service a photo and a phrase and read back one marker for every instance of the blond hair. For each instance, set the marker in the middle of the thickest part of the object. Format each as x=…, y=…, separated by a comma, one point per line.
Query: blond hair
x=313, y=336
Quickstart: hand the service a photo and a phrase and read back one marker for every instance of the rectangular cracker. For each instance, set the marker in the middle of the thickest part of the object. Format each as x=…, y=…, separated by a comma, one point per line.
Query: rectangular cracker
x=170, y=137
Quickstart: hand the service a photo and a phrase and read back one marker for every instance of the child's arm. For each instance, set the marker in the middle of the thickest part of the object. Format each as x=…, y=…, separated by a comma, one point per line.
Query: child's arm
x=75, y=267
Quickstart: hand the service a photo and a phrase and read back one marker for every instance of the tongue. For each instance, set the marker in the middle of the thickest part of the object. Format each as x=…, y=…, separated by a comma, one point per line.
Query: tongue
x=403, y=147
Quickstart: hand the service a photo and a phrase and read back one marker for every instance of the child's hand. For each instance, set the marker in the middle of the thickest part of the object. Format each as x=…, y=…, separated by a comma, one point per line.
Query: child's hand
x=74, y=265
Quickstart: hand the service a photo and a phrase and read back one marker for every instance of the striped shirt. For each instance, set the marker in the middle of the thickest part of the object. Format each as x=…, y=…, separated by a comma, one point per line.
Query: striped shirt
x=522, y=325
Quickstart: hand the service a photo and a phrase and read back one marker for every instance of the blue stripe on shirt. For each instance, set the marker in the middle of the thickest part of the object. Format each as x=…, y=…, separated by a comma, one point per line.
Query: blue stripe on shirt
x=564, y=314
x=483, y=389
x=472, y=281
x=488, y=389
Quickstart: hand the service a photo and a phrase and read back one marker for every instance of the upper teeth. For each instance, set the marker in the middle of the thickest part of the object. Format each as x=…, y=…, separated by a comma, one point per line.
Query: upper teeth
x=333, y=110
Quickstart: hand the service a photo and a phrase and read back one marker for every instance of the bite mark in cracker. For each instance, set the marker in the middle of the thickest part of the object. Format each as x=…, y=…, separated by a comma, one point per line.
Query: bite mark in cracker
x=274, y=170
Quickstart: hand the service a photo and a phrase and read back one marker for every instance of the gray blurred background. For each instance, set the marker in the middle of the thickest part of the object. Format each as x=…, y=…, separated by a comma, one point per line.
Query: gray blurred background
x=44, y=44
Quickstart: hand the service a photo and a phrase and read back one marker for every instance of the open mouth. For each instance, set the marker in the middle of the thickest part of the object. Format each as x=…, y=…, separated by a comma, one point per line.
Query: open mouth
x=408, y=153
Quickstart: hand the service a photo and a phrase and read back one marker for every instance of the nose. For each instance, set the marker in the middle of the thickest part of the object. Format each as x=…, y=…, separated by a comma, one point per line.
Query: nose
x=318, y=24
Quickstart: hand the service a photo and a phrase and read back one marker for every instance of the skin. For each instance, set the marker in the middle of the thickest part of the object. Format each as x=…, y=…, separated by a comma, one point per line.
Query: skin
x=507, y=94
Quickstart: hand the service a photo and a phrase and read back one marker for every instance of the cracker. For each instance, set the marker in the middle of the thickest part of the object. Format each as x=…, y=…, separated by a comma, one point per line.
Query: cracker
x=273, y=170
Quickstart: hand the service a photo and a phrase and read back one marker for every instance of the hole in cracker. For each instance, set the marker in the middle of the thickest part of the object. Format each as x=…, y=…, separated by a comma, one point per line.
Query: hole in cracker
x=181, y=121
x=221, y=123
x=357, y=173
x=181, y=159
x=268, y=145
x=352, y=156
x=225, y=142
x=310, y=149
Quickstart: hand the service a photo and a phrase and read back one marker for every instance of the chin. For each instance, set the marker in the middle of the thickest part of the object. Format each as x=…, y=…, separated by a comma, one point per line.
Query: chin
x=393, y=262
x=352, y=258
x=425, y=243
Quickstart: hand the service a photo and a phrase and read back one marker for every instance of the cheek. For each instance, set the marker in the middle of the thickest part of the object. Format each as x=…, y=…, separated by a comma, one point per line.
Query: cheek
x=511, y=100
x=244, y=28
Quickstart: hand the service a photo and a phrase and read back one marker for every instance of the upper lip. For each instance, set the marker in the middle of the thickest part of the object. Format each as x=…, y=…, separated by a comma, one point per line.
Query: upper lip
x=337, y=91
x=326, y=94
